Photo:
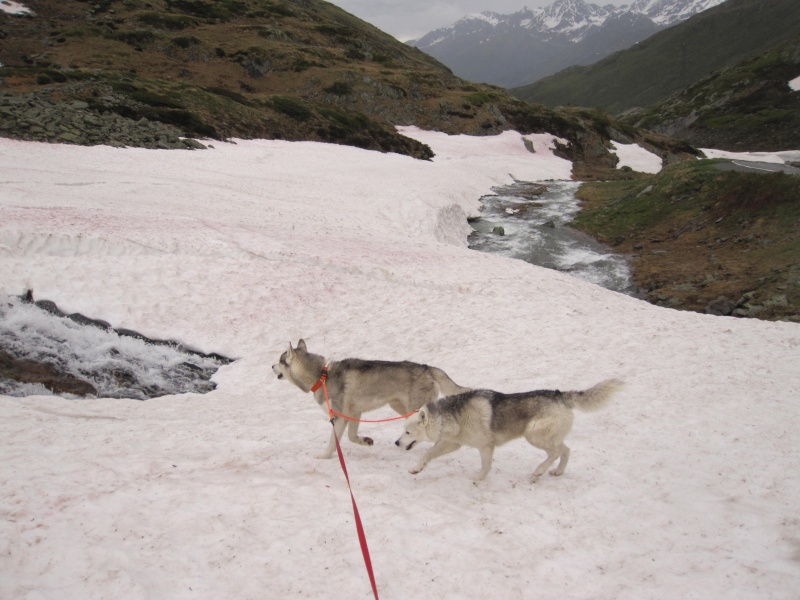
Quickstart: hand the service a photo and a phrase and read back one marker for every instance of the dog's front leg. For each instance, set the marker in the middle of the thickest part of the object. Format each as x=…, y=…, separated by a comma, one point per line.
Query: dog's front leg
x=440, y=448
x=486, y=462
x=336, y=432
x=352, y=432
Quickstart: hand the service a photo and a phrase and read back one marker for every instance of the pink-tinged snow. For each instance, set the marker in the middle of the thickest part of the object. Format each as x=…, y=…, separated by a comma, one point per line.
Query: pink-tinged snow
x=687, y=486
x=637, y=158
x=14, y=8
x=780, y=157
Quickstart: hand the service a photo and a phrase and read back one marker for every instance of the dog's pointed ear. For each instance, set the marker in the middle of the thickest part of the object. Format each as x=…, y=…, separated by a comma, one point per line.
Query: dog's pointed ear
x=301, y=345
x=423, y=415
x=290, y=352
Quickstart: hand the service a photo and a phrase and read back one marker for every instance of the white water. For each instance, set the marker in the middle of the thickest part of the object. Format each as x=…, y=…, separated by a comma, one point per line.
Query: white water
x=117, y=366
x=537, y=232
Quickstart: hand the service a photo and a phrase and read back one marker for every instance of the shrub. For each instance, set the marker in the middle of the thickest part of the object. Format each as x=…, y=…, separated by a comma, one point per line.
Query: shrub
x=477, y=99
x=133, y=38
x=291, y=107
x=339, y=88
x=185, y=41
x=222, y=10
x=235, y=96
x=167, y=21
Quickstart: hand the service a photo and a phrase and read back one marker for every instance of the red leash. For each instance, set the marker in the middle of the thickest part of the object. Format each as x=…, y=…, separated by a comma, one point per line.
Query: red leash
x=362, y=538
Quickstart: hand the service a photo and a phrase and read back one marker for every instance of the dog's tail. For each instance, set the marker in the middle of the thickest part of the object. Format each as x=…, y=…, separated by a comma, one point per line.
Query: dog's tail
x=447, y=387
x=596, y=397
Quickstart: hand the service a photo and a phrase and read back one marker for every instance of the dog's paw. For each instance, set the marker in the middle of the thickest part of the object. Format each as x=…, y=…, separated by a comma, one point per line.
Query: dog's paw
x=415, y=470
x=556, y=473
x=365, y=441
x=324, y=456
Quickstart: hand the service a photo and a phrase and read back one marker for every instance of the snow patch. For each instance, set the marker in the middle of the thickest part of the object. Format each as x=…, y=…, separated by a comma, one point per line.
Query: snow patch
x=637, y=158
x=674, y=488
x=14, y=8
x=781, y=157
x=489, y=17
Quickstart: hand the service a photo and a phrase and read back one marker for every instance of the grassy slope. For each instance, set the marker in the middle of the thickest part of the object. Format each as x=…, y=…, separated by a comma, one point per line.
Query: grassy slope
x=673, y=59
x=696, y=234
x=298, y=70
x=748, y=106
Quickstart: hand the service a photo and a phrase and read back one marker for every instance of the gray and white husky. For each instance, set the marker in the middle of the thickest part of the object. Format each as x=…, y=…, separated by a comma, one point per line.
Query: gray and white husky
x=484, y=419
x=357, y=386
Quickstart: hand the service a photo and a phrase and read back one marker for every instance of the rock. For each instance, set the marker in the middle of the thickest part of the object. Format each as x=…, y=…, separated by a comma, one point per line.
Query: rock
x=49, y=306
x=36, y=116
x=44, y=373
x=498, y=230
x=721, y=307
x=746, y=297
x=192, y=144
x=780, y=300
x=645, y=191
x=83, y=320
x=29, y=361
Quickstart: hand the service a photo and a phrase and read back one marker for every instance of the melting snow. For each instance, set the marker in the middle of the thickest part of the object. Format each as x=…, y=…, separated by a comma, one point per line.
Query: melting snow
x=686, y=485
x=637, y=158
x=14, y=8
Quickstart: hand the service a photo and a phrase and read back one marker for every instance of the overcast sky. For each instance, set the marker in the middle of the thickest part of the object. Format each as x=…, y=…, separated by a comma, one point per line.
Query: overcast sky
x=411, y=19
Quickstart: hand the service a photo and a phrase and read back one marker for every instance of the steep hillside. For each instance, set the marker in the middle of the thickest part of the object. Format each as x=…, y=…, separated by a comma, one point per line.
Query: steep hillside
x=520, y=48
x=704, y=239
x=747, y=107
x=673, y=59
x=128, y=72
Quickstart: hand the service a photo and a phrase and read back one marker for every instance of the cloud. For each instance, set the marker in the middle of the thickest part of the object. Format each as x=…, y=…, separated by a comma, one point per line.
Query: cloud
x=410, y=19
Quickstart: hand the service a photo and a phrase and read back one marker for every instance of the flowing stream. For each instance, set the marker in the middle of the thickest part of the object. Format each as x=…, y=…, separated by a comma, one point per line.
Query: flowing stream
x=45, y=352
x=529, y=221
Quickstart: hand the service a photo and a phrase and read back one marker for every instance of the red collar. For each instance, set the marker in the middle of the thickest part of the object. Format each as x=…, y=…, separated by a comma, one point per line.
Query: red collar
x=321, y=380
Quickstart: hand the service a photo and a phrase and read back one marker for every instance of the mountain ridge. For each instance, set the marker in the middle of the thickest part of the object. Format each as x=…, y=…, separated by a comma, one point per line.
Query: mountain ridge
x=520, y=48
x=673, y=59
x=749, y=106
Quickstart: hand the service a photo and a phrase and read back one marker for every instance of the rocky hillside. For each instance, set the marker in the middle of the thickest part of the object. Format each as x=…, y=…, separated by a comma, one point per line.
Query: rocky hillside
x=703, y=239
x=747, y=107
x=129, y=72
x=520, y=48
x=674, y=59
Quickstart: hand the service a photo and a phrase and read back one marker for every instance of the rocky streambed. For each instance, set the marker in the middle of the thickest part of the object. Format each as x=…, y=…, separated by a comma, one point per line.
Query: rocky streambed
x=530, y=222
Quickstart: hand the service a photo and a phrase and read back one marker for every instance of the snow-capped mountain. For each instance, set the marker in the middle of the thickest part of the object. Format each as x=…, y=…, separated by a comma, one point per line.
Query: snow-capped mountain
x=517, y=49
x=669, y=12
